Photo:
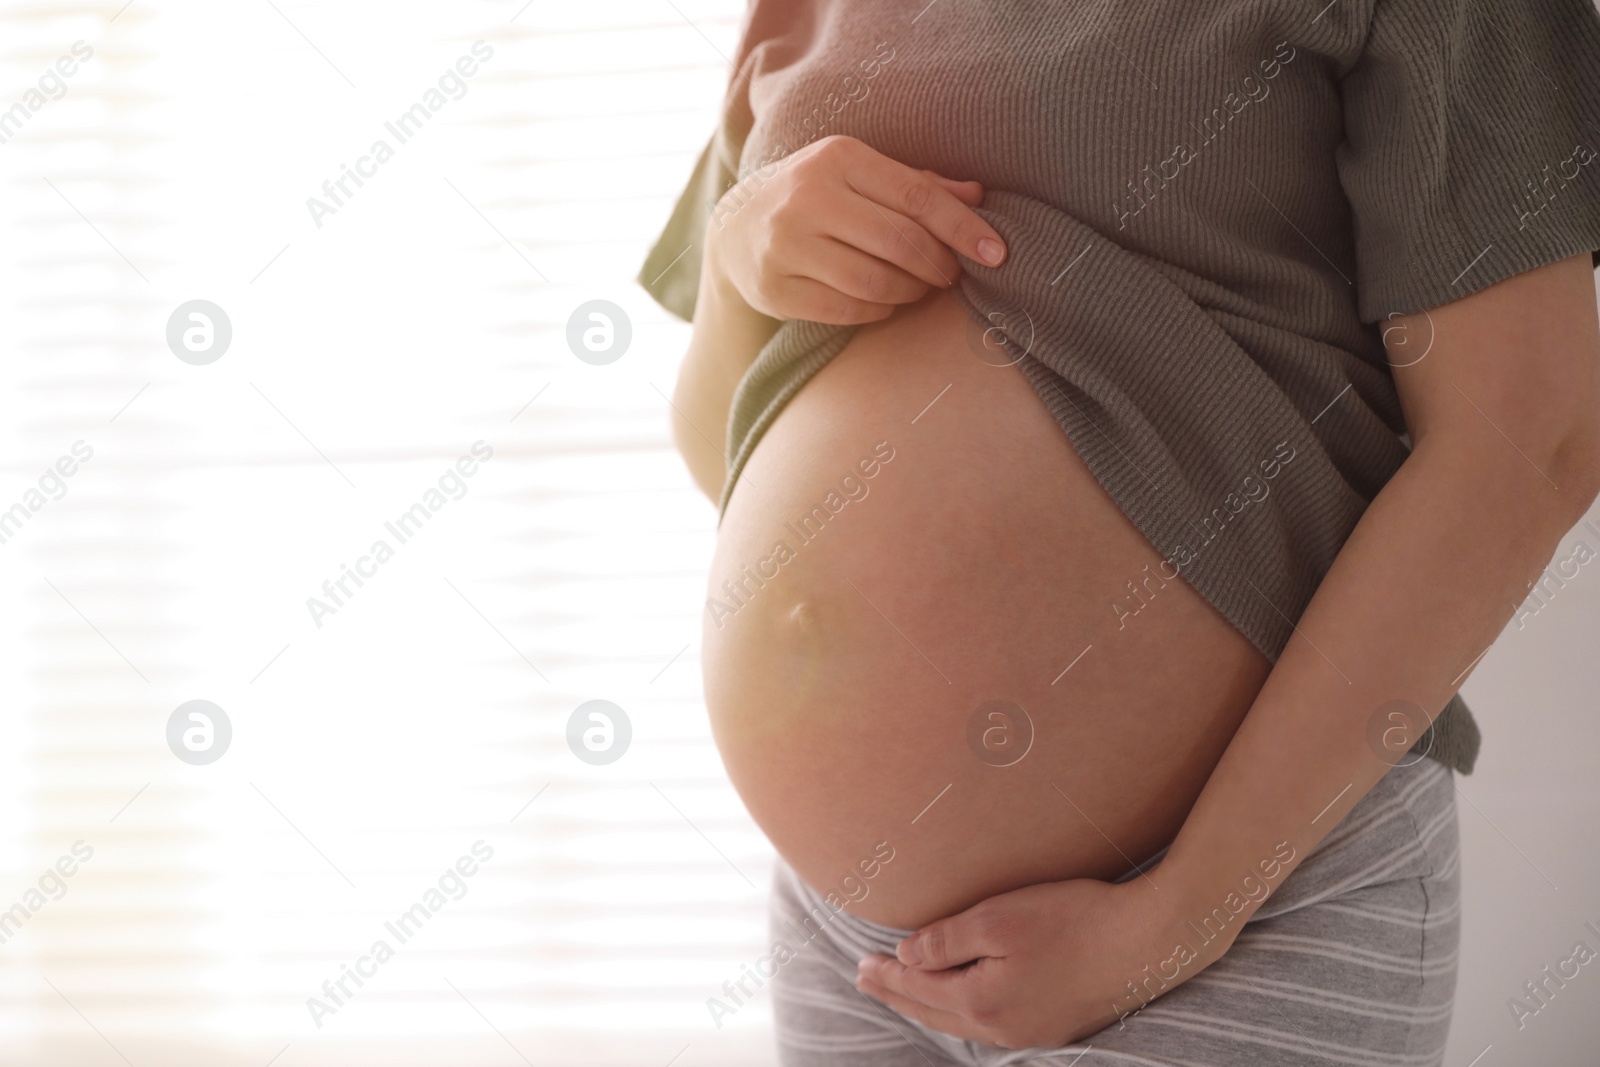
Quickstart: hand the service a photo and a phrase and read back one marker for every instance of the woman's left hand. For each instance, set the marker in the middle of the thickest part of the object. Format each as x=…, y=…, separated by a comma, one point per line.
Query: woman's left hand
x=1043, y=965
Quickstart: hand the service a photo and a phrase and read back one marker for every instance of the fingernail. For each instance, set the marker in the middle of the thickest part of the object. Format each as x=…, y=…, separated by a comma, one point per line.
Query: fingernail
x=991, y=251
x=909, y=951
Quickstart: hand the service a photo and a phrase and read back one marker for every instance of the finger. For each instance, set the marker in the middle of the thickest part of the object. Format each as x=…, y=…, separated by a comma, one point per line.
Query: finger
x=962, y=938
x=806, y=298
x=891, y=236
x=916, y=195
x=969, y=193
x=955, y=1025
x=952, y=991
x=854, y=273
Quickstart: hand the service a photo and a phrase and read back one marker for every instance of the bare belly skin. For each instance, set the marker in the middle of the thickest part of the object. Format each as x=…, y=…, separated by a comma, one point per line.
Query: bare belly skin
x=848, y=654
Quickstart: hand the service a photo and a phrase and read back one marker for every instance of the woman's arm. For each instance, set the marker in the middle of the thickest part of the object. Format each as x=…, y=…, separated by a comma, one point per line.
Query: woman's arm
x=728, y=335
x=1504, y=414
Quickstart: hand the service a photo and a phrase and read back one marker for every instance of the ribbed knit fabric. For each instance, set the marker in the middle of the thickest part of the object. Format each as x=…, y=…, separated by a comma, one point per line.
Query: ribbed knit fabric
x=1211, y=207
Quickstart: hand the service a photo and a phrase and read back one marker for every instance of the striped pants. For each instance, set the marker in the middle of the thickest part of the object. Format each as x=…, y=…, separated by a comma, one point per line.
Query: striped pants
x=1352, y=961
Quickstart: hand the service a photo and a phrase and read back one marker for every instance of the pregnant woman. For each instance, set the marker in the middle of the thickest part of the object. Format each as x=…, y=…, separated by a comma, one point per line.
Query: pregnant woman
x=1131, y=423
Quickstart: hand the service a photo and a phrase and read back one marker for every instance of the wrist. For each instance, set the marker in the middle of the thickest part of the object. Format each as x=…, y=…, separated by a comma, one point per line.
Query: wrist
x=740, y=330
x=1164, y=944
x=1214, y=893
x=716, y=278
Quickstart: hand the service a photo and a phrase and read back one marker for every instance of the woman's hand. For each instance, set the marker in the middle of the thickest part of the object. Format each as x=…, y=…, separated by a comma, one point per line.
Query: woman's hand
x=1044, y=965
x=842, y=234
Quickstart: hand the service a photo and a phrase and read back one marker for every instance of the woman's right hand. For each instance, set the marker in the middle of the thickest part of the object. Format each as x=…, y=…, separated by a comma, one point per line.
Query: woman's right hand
x=843, y=234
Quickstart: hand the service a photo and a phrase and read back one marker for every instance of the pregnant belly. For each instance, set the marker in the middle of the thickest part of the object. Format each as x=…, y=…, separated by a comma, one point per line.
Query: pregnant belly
x=914, y=672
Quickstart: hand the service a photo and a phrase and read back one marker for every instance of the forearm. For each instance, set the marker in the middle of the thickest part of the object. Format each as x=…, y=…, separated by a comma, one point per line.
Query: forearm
x=1427, y=580
x=728, y=335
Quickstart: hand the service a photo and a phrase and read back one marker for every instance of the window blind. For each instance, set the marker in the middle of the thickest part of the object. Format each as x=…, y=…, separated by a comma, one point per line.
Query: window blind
x=398, y=771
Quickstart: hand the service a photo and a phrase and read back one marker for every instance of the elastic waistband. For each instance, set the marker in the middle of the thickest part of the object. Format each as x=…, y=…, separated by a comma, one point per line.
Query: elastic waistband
x=802, y=914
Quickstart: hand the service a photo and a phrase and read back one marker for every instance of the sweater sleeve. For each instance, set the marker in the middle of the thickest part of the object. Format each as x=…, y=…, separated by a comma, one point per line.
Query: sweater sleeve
x=671, y=270
x=771, y=33
x=1472, y=146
